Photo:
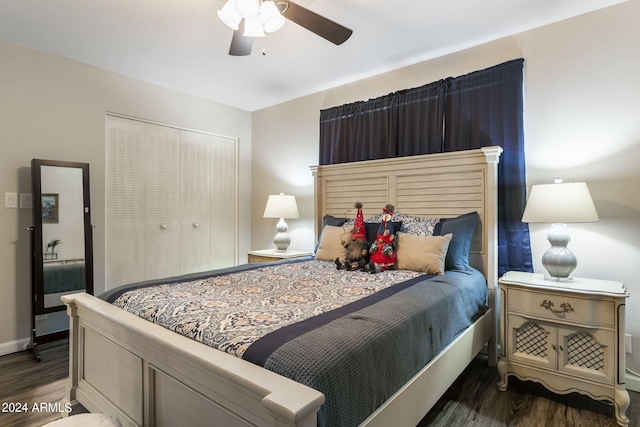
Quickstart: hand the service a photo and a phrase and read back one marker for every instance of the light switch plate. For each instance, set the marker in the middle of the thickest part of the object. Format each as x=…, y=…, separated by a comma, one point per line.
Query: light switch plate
x=10, y=200
x=26, y=201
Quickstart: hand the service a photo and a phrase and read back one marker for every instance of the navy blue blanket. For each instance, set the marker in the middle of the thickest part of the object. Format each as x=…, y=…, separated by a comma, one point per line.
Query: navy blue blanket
x=362, y=358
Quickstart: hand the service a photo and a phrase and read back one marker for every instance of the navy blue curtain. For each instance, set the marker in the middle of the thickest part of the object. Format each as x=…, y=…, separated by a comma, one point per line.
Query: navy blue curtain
x=486, y=108
x=471, y=111
x=399, y=124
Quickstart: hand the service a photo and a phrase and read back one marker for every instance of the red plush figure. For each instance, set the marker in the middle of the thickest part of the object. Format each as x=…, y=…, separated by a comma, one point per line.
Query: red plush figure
x=358, y=231
x=383, y=250
x=357, y=247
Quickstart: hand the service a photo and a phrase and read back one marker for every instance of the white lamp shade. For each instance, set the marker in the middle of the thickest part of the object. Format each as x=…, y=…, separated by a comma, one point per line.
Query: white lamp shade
x=281, y=206
x=229, y=15
x=247, y=8
x=560, y=203
x=271, y=17
x=253, y=27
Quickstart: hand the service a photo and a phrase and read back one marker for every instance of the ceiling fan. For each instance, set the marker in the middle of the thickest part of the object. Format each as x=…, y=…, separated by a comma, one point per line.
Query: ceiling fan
x=254, y=18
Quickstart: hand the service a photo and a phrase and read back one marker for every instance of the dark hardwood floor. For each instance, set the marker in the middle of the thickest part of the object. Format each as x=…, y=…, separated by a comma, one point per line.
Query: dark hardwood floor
x=25, y=383
x=473, y=400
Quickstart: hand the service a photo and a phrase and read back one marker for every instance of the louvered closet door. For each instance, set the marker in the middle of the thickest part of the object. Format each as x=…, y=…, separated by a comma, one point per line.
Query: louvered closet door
x=171, y=201
x=223, y=202
x=195, y=187
x=162, y=201
x=125, y=182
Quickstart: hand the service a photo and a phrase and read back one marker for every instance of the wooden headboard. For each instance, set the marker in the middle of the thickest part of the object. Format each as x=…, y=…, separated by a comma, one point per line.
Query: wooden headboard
x=434, y=185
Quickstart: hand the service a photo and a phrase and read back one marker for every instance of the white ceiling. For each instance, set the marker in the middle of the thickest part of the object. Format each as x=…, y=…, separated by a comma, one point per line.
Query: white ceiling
x=182, y=45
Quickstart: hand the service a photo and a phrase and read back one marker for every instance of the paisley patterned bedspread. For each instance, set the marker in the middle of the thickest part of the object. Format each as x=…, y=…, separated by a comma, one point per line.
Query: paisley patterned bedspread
x=231, y=311
x=354, y=336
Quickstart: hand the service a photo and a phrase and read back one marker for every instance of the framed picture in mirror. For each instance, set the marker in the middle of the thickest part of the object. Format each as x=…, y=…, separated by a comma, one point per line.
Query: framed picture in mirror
x=50, y=208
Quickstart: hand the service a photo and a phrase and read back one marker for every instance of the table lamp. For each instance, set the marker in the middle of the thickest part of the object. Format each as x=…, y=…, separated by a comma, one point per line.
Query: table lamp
x=558, y=204
x=281, y=206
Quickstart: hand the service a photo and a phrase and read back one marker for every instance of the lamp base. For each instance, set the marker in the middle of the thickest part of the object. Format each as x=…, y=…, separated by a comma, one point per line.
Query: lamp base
x=557, y=279
x=558, y=259
x=281, y=239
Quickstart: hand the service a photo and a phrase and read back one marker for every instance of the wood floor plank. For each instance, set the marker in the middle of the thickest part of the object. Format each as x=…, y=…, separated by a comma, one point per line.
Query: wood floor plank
x=473, y=400
x=38, y=385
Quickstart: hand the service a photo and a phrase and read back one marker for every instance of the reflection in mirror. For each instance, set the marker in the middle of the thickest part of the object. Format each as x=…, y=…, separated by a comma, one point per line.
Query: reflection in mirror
x=62, y=260
x=62, y=232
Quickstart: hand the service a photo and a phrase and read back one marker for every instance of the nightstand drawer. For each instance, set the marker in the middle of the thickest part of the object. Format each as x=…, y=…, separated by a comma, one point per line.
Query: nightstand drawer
x=562, y=307
x=251, y=258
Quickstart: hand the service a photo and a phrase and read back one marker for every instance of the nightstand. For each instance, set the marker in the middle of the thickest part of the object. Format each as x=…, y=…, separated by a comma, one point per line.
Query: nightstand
x=270, y=255
x=568, y=336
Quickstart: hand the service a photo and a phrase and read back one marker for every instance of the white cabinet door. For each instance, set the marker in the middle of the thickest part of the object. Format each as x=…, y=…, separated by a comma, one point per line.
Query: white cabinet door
x=588, y=353
x=195, y=195
x=125, y=182
x=162, y=201
x=223, y=202
x=532, y=341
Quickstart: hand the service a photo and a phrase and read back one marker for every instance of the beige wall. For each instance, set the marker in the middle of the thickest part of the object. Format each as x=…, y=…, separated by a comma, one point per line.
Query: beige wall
x=53, y=108
x=582, y=104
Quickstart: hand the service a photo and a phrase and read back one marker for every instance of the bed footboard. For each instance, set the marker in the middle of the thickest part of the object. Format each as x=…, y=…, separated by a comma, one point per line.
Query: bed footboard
x=144, y=374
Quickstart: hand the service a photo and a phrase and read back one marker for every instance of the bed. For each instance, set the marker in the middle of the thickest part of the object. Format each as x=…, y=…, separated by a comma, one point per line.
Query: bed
x=62, y=277
x=146, y=374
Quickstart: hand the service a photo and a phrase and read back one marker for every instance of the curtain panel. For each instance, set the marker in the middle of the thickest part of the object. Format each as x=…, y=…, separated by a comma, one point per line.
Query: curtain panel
x=472, y=111
x=486, y=108
x=403, y=123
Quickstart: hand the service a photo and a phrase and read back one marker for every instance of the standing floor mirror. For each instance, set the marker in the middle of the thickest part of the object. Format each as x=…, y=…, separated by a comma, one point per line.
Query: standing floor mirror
x=62, y=245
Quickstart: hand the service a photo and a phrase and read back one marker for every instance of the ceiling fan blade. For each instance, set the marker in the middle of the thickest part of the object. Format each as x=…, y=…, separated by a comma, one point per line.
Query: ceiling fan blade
x=240, y=45
x=325, y=28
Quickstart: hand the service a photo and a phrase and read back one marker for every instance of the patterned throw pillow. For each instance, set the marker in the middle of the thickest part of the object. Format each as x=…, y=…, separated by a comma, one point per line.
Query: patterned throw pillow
x=415, y=225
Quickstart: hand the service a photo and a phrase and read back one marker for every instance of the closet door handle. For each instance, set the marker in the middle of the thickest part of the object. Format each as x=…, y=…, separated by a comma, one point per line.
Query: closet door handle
x=196, y=225
x=163, y=226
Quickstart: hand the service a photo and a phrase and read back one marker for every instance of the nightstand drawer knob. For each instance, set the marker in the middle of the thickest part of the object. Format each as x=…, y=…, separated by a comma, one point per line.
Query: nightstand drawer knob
x=565, y=307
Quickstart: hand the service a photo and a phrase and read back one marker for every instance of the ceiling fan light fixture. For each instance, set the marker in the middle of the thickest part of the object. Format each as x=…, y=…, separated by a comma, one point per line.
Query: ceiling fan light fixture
x=270, y=16
x=253, y=27
x=229, y=15
x=247, y=8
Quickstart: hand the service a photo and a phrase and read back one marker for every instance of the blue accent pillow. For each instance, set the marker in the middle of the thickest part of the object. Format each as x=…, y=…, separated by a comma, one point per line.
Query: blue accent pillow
x=329, y=220
x=462, y=228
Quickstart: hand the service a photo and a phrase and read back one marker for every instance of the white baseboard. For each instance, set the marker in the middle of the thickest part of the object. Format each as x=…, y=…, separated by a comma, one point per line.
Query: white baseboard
x=14, y=346
x=632, y=382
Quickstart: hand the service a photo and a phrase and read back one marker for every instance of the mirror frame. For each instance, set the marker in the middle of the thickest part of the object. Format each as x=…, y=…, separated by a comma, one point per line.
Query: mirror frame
x=37, y=269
